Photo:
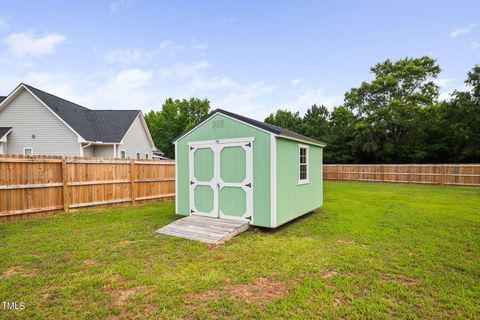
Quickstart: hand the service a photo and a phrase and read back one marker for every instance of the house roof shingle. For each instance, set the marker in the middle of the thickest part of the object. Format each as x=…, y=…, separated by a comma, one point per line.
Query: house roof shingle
x=108, y=126
x=259, y=124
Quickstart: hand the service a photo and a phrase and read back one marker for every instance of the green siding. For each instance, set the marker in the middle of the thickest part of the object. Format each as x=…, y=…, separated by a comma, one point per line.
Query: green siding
x=294, y=200
x=221, y=127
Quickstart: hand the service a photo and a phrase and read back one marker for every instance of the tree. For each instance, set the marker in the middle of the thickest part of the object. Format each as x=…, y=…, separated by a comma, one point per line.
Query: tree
x=315, y=123
x=341, y=137
x=461, y=121
x=175, y=117
x=286, y=119
x=389, y=107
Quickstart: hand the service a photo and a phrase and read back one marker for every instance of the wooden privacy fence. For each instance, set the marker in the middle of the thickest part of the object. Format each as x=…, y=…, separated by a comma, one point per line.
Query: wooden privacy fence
x=444, y=174
x=47, y=183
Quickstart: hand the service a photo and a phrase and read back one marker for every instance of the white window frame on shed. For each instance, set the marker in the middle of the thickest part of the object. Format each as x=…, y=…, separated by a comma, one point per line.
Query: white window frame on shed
x=306, y=164
x=25, y=151
x=123, y=154
x=139, y=155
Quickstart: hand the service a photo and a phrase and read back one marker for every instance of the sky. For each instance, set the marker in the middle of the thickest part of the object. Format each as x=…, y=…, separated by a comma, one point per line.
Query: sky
x=249, y=57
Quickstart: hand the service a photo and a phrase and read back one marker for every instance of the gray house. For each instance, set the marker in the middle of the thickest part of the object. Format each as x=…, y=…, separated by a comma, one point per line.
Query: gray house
x=34, y=122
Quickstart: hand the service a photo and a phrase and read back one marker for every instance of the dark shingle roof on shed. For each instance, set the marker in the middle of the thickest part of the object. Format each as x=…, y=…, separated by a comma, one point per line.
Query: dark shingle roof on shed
x=2, y=98
x=4, y=131
x=92, y=125
x=259, y=124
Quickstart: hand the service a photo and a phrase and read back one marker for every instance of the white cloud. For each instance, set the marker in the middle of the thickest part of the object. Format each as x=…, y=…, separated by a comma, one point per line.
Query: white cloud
x=166, y=49
x=182, y=71
x=475, y=45
x=129, y=88
x=463, y=30
x=24, y=44
x=3, y=25
x=224, y=92
x=117, y=5
x=127, y=56
x=442, y=82
x=296, y=82
x=306, y=97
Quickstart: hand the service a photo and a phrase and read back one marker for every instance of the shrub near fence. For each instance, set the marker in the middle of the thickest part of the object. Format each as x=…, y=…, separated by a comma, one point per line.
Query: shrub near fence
x=31, y=185
x=444, y=174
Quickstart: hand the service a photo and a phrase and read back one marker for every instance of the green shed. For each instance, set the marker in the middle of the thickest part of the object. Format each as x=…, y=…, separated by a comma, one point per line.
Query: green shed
x=230, y=166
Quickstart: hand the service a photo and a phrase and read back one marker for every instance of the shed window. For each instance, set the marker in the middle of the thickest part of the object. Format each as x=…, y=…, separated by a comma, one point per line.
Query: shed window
x=146, y=155
x=302, y=164
x=28, y=151
x=139, y=156
x=123, y=154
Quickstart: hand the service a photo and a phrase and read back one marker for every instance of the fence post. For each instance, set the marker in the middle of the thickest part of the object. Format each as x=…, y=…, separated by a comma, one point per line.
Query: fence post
x=66, y=205
x=409, y=173
x=133, y=190
x=337, y=172
x=443, y=174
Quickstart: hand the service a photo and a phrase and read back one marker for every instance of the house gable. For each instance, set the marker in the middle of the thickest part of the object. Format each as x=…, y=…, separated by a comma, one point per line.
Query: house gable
x=137, y=139
x=35, y=126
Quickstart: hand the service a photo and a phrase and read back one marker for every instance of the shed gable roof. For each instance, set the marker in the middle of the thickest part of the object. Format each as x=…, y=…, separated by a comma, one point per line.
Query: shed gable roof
x=278, y=131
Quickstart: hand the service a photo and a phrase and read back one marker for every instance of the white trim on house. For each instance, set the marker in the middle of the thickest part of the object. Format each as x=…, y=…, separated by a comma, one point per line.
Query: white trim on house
x=322, y=145
x=209, y=142
x=273, y=181
x=204, y=121
x=307, y=163
x=25, y=149
x=176, y=179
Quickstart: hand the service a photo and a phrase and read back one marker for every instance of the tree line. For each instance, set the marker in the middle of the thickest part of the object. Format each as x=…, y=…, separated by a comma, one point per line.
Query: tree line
x=395, y=118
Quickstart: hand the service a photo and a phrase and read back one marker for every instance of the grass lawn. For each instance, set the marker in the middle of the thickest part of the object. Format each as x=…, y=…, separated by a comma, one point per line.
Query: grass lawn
x=373, y=251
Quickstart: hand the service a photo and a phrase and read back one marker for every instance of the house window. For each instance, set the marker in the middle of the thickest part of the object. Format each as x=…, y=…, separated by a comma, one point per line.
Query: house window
x=123, y=154
x=146, y=155
x=28, y=151
x=138, y=156
x=302, y=164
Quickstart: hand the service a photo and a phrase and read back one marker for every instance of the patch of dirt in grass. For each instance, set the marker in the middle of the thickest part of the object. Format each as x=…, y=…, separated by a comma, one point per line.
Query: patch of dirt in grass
x=263, y=290
x=120, y=296
x=399, y=278
x=89, y=262
x=329, y=273
x=126, y=242
x=337, y=302
x=351, y=242
x=18, y=270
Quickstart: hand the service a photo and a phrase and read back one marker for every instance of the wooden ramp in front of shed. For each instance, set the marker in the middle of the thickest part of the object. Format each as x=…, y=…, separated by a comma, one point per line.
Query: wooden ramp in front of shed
x=205, y=229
